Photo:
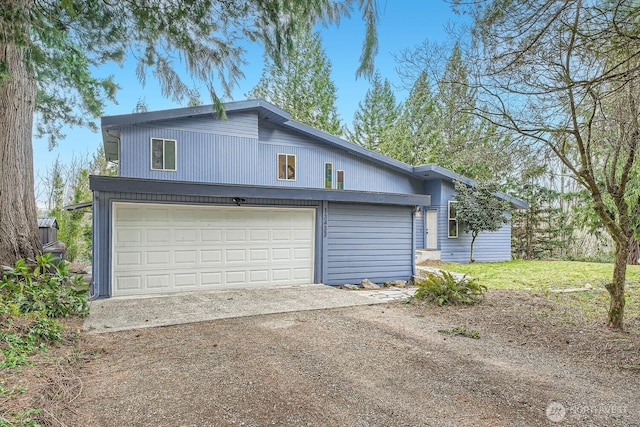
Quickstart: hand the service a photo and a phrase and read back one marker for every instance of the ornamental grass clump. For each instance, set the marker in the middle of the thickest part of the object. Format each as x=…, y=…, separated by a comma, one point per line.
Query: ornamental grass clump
x=444, y=289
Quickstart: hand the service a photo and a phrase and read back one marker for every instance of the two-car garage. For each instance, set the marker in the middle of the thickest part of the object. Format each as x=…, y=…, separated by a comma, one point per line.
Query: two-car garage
x=165, y=248
x=153, y=237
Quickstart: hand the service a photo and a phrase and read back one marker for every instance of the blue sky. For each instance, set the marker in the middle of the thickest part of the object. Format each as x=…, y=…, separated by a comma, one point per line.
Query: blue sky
x=403, y=24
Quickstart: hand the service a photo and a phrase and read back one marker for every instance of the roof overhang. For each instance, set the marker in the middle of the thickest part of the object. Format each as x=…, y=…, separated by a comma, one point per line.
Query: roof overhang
x=137, y=185
x=433, y=171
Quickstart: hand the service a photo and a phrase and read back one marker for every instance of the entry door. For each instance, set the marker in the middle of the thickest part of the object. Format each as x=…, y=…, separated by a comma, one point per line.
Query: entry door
x=432, y=229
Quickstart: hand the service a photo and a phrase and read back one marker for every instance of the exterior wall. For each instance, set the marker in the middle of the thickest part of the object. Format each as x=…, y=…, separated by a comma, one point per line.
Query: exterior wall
x=489, y=247
x=368, y=241
x=311, y=156
x=233, y=151
x=202, y=154
x=102, y=220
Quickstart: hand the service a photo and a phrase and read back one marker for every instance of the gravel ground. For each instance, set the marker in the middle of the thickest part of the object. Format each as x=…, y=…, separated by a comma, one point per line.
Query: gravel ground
x=382, y=365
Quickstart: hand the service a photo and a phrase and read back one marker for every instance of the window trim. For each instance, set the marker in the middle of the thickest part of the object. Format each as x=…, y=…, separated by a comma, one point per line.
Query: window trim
x=328, y=175
x=450, y=219
x=164, y=157
x=295, y=167
x=340, y=184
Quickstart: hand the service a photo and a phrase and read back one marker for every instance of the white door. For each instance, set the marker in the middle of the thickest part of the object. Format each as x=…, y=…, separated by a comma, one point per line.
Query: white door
x=432, y=229
x=164, y=248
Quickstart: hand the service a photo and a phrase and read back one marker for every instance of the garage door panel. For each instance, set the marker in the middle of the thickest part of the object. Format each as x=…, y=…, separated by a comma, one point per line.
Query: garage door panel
x=236, y=235
x=258, y=255
x=211, y=235
x=236, y=277
x=129, y=258
x=209, y=256
x=154, y=258
x=129, y=283
x=211, y=279
x=169, y=248
x=186, y=258
x=158, y=235
x=188, y=279
x=158, y=281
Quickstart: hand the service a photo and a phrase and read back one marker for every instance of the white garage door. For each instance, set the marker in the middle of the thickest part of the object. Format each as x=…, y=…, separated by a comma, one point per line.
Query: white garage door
x=161, y=248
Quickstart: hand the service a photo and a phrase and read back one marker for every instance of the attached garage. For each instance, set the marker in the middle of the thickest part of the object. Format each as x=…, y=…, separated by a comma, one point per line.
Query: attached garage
x=165, y=248
x=376, y=239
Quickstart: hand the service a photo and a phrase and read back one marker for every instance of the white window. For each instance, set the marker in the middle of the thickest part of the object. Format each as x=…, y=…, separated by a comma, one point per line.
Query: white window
x=163, y=154
x=287, y=167
x=453, y=220
x=340, y=179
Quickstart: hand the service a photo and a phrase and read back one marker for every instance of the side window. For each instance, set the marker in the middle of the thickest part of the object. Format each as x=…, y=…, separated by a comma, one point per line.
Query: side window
x=328, y=175
x=453, y=220
x=287, y=167
x=163, y=154
x=340, y=179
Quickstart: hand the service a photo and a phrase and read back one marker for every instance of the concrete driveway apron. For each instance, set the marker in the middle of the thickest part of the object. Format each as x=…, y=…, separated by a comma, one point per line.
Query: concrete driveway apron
x=117, y=314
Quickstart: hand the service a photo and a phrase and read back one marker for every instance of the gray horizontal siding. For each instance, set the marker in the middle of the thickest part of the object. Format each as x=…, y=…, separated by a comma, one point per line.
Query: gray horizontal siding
x=368, y=241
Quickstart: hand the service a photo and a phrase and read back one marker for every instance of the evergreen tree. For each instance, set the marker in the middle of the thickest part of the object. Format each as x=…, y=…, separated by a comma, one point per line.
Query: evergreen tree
x=376, y=116
x=301, y=84
x=465, y=143
x=49, y=50
x=409, y=138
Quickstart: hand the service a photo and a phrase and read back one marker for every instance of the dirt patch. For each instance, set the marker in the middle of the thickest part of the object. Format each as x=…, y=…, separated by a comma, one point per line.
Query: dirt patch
x=382, y=365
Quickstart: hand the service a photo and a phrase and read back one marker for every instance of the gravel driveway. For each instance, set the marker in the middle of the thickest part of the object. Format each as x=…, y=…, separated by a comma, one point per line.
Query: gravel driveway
x=380, y=365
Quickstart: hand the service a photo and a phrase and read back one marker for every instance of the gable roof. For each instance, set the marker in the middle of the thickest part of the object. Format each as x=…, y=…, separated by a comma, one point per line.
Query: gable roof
x=266, y=110
x=111, y=126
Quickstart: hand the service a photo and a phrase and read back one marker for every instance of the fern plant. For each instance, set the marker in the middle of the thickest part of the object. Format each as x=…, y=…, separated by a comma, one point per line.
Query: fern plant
x=445, y=289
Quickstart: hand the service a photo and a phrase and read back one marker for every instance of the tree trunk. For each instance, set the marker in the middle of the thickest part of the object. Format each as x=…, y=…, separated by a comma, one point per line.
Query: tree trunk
x=616, y=287
x=19, y=236
x=634, y=251
x=473, y=240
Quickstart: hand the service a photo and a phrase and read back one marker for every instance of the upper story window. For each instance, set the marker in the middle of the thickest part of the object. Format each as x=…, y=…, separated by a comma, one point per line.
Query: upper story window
x=453, y=220
x=163, y=154
x=340, y=179
x=287, y=167
x=328, y=175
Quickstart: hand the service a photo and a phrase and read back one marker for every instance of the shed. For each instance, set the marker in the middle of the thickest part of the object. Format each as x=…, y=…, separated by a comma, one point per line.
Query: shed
x=48, y=230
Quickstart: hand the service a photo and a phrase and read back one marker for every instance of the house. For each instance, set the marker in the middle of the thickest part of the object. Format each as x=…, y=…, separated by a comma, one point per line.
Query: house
x=259, y=199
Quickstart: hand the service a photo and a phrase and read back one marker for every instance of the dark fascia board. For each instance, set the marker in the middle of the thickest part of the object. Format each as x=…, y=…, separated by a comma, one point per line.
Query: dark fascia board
x=433, y=171
x=110, y=122
x=152, y=186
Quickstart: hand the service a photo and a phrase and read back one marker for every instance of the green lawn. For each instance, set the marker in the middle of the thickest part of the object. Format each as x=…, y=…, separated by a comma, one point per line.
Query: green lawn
x=546, y=276
x=542, y=275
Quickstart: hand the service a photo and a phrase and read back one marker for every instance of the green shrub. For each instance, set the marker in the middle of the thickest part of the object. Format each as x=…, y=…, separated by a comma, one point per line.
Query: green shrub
x=31, y=297
x=444, y=289
x=45, y=286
